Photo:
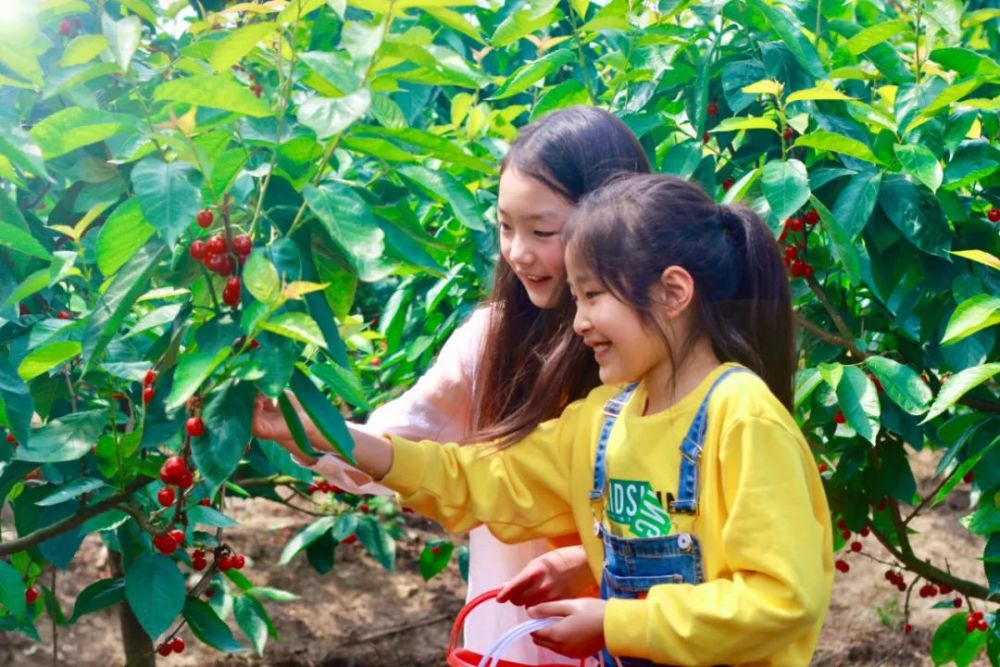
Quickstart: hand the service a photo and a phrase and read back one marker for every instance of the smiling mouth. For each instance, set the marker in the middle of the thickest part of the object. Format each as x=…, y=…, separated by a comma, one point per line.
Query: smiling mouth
x=535, y=281
x=600, y=349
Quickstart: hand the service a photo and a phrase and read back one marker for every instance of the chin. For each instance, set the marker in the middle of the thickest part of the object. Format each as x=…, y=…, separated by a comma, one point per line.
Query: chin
x=547, y=300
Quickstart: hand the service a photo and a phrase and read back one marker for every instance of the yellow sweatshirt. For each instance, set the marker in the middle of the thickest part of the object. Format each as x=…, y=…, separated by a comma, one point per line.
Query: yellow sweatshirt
x=763, y=520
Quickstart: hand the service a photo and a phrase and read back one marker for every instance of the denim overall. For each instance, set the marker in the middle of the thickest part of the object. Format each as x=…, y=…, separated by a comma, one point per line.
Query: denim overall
x=634, y=565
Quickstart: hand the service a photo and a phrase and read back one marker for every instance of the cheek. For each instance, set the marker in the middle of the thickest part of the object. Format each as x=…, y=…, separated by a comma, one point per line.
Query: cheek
x=505, y=248
x=554, y=258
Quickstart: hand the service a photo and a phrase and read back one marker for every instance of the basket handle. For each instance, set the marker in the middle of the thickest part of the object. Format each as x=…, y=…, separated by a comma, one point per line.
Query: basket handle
x=456, y=628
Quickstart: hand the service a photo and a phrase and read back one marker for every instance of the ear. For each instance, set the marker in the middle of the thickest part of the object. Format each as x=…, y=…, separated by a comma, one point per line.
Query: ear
x=676, y=290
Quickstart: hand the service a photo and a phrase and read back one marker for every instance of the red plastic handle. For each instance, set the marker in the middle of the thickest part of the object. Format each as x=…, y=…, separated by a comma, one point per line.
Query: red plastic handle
x=456, y=628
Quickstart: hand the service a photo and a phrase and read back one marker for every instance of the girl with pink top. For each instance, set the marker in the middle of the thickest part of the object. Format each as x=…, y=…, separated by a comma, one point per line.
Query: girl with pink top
x=515, y=362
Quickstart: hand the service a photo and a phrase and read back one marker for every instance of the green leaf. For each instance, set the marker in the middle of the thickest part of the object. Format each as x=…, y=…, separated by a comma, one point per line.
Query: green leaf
x=858, y=399
x=972, y=315
x=230, y=49
x=522, y=23
x=434, y=558
x=324, y=414
x=193, y=368
x=111, y=308
x=208, y=627
x=275, y=594
x=824, y=92
x=917, y=214
x=984, y=521
x=991, y=563
x=920, y=163
x=261, y=278
x=966, y=61
x=82, y=50
x=17, y=401
x=952, y=93
x=22, y=150
x=123, y=38
x=531, y=73
x=154, y=588
x=295, y=427
x=873, y=36
x=377, y=541
x=856, y=202
x=250, y=617
x=786, y=188
x=560, y=96
x=12, y=590
x=971, y=163
x=824, y=140
x=343, y=382
x=65, y=439
x=958, y=385
x=213, y=91
x=967, y=465
x=334, y=68
x=71, y=490
x=792, y=37
x=903, y=384
x=46, y=357
x=297, y=326
x=121, y=236
x=21, y=241
x=445, y=187
x=305, y=537
x=457, y=22
x=69, y=129
x=227, y=418
x=167, y=196
x=841, y=242
x=99, y=595
x=736, y=123
x=348, y=221
x=209, y=516
x=329, y=116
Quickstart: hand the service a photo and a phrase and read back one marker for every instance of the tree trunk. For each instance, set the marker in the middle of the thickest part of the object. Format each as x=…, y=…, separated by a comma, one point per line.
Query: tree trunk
x=136, y=643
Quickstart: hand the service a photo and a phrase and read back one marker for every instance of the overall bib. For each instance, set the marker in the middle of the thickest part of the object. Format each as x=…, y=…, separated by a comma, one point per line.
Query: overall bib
x=633, y=565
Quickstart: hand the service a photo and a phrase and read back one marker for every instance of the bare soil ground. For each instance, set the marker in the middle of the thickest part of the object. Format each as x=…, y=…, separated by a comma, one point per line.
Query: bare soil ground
x=358, y=615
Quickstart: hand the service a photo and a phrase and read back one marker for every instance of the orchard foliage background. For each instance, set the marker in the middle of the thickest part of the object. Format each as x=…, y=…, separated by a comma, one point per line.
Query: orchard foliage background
x=346, y=154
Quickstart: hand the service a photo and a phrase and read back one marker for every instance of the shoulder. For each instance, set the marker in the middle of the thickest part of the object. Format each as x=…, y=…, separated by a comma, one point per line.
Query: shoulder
x=744, y=396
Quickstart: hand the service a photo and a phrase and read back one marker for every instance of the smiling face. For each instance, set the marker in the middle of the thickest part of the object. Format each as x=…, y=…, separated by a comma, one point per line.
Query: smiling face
x=625, y=349
x=531, y=218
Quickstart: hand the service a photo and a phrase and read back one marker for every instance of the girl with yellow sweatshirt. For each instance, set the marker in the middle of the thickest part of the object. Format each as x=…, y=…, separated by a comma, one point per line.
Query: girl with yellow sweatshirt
x=693, y=491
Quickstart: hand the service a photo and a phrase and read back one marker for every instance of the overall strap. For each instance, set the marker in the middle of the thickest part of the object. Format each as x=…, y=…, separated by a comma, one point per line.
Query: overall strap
x=691, y=447
x=611, y=411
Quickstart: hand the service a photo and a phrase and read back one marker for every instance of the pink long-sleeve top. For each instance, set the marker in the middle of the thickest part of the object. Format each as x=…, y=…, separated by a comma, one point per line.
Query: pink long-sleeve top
x=438, y=407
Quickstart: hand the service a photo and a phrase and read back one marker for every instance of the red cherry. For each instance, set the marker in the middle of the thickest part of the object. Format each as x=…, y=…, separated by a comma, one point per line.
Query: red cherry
x=728, y=183
x=376, y=362
x=205, y=218
x=994, y=214
x=945, y=589
x=796, y=224
x=807, y=270
x=214, y=263
x=242, y=245
x=65, y=27
x=210, y=593
x=982, y=625
x=363, y=507
x=791, y=252
x=436, y=549
x=254, y=344
x=956, y=603
x=225, y=266
x=846, y=534
x=706, y=137
x=199, y=564
x=256, y=89
x=822, y=468
x=11, y=439
x=788, y=134
x=217, y=245
x=865, y=531
x=839, y=418
x=712, y=109
x=907, y=629
x=64, y=315
x=856, y=547
x=164, y=650
x=842, y=566
x=147, y=394
x=177, y=535
x=166, y=496
x=239, y=561
x=798, y=268
x=969, y=477
x=225, y=564
x=205, y=502
x=195, y=427
x=198, y=250
x=185, y=480
x=165, y=544
x=231, y=297
x=841, y=524
x=812, y=216
x=149, y=379
x=31, y=595
x=174, y=466
x=351, y=539
x=177, y=645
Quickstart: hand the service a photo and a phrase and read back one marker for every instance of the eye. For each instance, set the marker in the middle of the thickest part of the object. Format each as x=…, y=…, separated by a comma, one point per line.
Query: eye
x=546, y=235
x=590, y=295
x=505, y=228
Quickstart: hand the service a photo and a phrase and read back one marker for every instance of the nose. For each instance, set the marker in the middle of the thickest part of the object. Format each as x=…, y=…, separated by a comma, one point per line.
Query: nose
x=581, y=323
x=521, y=252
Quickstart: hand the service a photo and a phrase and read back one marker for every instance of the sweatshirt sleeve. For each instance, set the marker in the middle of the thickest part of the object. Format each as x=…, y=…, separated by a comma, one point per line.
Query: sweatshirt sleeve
x=520, y=493
x=776, y=542
x=438, y=406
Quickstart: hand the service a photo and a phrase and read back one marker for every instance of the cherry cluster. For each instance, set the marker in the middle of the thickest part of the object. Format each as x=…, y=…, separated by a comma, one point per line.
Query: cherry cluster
x=794, y=235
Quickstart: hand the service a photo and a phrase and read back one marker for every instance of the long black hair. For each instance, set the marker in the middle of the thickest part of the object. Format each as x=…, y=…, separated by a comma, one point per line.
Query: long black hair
x=532, y=364
x=632, y=229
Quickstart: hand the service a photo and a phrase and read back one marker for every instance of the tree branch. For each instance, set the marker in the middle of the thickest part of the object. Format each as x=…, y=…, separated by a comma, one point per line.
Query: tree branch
x=65, y=525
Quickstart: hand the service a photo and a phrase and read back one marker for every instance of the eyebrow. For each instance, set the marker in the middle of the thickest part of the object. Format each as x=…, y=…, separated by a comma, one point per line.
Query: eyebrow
x=544, y=215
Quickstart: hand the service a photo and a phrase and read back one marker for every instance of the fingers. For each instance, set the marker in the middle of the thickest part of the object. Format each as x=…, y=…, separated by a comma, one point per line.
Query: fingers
x=515, y=590
x=558, y=608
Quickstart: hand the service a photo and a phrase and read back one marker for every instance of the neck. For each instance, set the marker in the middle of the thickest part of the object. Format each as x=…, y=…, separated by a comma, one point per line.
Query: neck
x=667, y=385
